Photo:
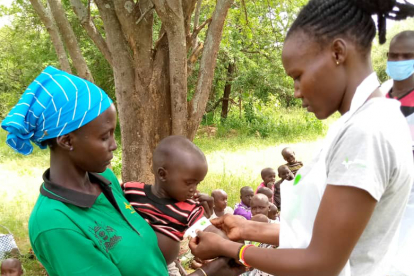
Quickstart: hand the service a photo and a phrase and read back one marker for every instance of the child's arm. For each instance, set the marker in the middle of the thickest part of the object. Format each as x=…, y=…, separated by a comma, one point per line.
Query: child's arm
x=207, y=202
x=169, y=247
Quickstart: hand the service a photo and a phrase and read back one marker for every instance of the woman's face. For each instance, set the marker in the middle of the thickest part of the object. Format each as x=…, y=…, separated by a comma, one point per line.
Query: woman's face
x=94, y=143
x=318, y=80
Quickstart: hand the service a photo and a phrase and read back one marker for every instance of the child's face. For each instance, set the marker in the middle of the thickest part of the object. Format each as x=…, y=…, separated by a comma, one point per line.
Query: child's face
x=272, y=214
x=267, y=193
x=289, y=157
x=246, y=196
x=285, y=173
x=269, y=177
x=259, y=206
x=181, y=178
x=220, y=201
x=11, y=268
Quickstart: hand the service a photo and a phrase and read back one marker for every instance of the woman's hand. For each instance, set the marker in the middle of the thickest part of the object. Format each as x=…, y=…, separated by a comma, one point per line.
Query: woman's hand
x=206, y=245
x=223, y=267
x=232, y=225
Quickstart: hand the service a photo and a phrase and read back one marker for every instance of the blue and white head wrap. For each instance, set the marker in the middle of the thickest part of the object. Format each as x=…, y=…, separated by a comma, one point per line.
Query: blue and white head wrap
x=55, y=103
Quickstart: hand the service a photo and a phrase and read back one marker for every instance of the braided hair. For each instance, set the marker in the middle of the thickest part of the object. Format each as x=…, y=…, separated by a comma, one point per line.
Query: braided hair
x=326, y=19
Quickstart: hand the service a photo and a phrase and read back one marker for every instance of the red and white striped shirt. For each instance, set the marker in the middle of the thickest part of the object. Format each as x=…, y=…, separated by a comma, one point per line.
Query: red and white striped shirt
x=166, y=215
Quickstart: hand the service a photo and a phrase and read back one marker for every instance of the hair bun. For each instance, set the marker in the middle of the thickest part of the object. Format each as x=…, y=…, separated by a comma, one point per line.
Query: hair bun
x=376, y=6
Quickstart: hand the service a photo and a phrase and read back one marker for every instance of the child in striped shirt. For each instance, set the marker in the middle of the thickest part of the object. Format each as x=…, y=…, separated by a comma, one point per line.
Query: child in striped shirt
x=173, y=203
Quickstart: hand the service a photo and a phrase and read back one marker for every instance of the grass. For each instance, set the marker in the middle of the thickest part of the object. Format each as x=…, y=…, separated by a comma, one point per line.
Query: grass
x=234, y=162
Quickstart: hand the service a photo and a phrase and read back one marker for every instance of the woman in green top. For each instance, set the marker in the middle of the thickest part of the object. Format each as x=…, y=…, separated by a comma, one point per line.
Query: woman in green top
x=81, y=223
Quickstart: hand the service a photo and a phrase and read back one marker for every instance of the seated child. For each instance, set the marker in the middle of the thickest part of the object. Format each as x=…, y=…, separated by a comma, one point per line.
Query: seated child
x=289, y=156
x=284, y=174
x=243, y=208
x=220, y=204
x=260, y=210
x=268, y=177
x=260, y=205
x=267, y=192
x=273, y=213
x=11, y=267
x=169, y=205
x=259, y=218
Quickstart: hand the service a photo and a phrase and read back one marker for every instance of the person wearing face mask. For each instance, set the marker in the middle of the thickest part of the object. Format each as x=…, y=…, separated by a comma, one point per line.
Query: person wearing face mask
x=400, y=67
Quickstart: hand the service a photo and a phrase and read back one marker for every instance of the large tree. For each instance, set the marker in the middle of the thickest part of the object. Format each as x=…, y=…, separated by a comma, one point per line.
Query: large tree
x=152, y=46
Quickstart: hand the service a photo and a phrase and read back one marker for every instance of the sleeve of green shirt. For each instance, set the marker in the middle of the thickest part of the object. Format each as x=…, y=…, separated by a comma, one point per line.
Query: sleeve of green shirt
x=72, y=254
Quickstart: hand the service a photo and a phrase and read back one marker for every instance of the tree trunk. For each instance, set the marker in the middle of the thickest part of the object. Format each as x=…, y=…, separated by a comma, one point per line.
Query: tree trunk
x=171, y=15
x=207, y=64
x=48, y=20
x=227, y=91
x=70, y=39
x=151, y=77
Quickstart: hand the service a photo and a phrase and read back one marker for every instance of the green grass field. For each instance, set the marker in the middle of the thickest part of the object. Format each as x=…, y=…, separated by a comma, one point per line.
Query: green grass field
x=234, y=162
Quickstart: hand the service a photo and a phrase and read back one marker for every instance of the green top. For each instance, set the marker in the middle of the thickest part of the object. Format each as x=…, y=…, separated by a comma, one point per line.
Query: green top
x=79, y=234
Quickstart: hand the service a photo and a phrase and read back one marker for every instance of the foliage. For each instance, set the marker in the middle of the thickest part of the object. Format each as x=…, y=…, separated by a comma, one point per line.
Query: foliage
x=268, y=119
x=26, y=50
x=253, y=40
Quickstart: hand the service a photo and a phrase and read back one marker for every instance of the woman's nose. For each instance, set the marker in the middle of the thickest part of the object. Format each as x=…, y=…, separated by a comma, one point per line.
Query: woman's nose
x=114, y=145
x=296, y=87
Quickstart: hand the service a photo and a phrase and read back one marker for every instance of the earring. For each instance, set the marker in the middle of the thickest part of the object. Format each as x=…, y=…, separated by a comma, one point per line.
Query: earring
x=71, y=149
x=337, y=62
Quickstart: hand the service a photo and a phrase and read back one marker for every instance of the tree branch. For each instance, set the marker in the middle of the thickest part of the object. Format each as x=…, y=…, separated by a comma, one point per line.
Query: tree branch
x=70, y=40
x=216, y=104
x=144, y=14
x=51, y=28
x=193, y=58
x=194, y=41
x=245, y=11
x=195, y=33
x=84, y=17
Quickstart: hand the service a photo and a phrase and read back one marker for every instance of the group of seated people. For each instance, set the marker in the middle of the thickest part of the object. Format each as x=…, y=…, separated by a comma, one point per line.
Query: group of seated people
x=263, y=205
x=172, y=205
x=269, y=187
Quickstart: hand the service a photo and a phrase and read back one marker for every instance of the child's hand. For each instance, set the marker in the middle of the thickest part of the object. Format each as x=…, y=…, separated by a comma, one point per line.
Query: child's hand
x=270, y=184
x=206, y=201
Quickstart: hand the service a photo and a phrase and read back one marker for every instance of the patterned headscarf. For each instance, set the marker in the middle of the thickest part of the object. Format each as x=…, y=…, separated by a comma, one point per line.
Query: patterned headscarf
x=55, y=103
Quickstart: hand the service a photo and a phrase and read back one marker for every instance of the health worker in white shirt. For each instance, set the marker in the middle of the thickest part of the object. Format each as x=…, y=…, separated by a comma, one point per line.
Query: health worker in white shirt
x=341, y=213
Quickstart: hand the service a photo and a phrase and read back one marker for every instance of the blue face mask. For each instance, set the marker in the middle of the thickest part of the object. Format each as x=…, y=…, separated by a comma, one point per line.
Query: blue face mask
x=400, y=70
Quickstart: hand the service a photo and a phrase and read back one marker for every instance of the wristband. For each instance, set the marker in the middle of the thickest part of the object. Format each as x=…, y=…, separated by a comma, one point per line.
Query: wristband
x=242, y=250
x=200, y=225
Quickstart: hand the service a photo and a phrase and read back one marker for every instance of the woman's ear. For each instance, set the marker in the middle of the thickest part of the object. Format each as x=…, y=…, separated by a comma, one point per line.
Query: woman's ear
x=339, y=51
x=65, y=142
x=162, y=174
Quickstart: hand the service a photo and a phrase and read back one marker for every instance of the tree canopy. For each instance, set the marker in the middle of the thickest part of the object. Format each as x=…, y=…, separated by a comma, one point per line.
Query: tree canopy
x=216, y=62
